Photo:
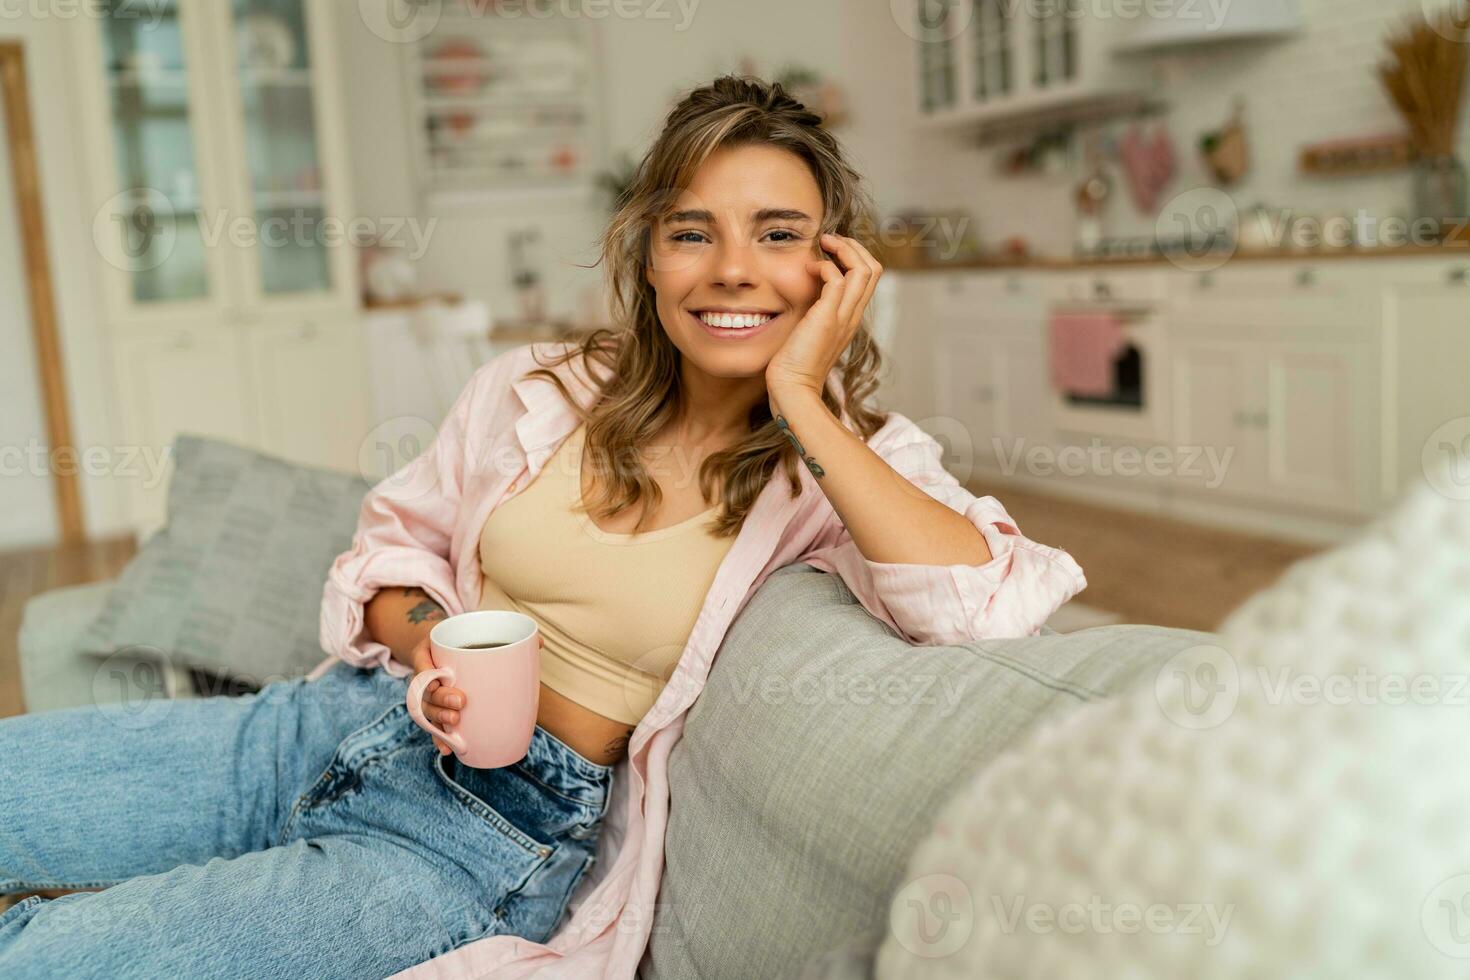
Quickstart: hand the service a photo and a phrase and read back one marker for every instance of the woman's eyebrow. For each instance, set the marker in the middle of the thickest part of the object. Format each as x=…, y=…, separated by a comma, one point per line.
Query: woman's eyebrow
x=758, y=216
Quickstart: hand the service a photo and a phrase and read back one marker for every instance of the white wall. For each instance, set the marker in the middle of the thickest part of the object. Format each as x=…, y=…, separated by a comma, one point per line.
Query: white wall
x=72, y=256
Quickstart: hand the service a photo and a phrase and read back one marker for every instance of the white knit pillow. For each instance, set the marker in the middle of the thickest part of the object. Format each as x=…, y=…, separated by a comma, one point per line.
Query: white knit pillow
x=1291, y=803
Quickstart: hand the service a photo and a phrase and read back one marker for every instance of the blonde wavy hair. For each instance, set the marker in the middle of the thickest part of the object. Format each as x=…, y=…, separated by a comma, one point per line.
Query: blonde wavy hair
x=639, y=392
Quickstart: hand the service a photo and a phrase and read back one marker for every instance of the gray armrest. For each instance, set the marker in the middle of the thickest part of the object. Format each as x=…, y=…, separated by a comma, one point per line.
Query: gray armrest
x=53, y=672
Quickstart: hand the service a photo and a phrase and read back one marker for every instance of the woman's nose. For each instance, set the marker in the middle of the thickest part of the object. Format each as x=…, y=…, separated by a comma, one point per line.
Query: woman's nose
x=733, y=266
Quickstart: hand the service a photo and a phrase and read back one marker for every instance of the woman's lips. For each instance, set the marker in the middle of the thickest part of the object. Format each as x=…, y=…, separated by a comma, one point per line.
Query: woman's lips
x=734, y=333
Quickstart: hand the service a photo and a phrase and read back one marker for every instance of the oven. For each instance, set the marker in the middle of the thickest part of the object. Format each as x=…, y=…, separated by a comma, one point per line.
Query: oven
x=1133, y=406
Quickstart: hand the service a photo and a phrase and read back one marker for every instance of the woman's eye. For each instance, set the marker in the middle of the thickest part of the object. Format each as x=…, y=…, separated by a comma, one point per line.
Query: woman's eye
x=790, y=236
x=679, y=236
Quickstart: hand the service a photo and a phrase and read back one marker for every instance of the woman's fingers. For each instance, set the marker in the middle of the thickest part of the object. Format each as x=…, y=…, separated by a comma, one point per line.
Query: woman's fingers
x=441, y=716
x=447, y=697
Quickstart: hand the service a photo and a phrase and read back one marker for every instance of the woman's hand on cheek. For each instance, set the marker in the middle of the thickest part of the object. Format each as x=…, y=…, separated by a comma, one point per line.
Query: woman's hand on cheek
x=816, y=342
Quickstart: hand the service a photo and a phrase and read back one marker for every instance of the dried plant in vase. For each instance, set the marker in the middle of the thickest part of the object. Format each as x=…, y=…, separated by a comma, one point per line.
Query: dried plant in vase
x=1425, y=78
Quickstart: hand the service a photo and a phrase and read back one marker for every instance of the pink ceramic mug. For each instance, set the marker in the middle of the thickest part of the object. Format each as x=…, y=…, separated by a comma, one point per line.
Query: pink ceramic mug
x=502, y=684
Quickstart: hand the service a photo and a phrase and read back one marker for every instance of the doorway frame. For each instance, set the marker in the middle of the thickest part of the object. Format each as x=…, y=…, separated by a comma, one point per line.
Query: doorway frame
x=26, y=177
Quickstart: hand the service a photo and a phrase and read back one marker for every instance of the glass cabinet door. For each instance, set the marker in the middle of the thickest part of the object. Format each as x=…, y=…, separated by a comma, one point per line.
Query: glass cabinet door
x=938, y=68
x=991, y=34
x=275, y=74
x=154, y=228
x=1055, y=54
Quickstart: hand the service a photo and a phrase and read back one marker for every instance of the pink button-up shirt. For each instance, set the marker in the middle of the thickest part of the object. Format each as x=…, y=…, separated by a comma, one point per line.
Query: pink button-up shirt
x=421, y=526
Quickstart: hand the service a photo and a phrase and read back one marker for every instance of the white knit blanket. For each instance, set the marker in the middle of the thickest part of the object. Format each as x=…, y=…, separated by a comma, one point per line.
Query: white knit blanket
x=1294, y=802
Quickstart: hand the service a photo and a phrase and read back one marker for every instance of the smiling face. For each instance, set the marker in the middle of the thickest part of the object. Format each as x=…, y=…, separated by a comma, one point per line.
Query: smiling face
x=737, y=241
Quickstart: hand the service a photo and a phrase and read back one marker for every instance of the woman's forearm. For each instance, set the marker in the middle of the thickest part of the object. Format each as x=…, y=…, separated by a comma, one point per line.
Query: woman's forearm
x=399, y=616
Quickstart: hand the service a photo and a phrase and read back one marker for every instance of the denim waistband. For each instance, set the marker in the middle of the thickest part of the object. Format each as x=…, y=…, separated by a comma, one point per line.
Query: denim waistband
x=564, y=769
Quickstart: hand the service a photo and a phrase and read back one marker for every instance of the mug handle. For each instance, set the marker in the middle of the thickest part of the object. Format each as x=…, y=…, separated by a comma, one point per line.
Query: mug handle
x=416, y=690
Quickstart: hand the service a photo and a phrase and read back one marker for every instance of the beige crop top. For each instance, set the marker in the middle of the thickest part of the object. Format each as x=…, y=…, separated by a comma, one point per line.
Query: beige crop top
x=615, y=610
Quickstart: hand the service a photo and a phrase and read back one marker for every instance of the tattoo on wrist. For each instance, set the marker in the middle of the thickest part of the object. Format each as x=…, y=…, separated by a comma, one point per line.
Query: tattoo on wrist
x=810, y=461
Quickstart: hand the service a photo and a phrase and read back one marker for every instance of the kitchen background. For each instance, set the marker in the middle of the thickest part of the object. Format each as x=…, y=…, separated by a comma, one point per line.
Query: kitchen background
x=1078, y=275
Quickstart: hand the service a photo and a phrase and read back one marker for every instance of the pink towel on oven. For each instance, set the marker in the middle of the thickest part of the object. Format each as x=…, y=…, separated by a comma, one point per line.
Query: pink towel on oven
x=1083, y=349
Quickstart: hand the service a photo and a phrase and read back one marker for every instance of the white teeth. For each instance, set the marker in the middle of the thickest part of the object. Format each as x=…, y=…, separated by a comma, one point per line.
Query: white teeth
x=734, y=321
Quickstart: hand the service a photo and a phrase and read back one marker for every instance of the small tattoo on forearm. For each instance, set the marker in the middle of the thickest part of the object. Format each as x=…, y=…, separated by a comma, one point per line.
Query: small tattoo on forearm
x=810, y=461
x=425, y=612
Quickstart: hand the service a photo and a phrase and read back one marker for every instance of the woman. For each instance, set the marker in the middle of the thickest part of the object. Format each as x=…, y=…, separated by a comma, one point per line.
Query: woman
x=625, y=493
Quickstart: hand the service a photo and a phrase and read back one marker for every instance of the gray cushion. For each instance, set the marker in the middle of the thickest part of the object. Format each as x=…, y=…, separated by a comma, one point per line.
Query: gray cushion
x=814, y=760
x=232, y=583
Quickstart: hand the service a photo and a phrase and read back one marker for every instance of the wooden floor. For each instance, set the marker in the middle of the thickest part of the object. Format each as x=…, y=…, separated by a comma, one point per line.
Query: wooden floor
x=1149, y=569
x=25, y=573
x=1143, y=568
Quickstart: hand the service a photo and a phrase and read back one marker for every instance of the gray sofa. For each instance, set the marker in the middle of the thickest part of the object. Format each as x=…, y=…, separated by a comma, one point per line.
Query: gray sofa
x=809, y=768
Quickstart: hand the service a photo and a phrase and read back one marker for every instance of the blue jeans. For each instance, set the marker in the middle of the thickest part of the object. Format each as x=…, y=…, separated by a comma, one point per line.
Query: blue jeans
x=310, y=830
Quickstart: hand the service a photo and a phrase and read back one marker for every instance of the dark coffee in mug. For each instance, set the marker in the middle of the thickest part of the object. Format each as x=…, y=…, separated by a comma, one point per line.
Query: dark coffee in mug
x=485, y=646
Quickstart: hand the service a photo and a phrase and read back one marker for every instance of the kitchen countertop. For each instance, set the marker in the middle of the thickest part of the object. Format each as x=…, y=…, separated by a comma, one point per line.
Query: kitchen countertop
x=1042, y=263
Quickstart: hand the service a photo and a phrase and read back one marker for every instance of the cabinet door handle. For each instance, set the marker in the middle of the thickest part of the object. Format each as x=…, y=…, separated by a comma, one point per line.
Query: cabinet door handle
x=1206, y=281
x=1242, y=419
x=1458, y=277
x=1306, y=278
x=1102, y=290
x=1262, y=419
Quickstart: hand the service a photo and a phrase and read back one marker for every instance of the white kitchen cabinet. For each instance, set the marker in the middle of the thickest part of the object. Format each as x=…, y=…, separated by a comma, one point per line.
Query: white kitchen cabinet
x=1426, y=374
x=1297, y=419
x=991, y=385
x=187, y=382
x=990, y=59
x=1297, y=414
x=309, y=396
x=217, y=172
x=1216, y=399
